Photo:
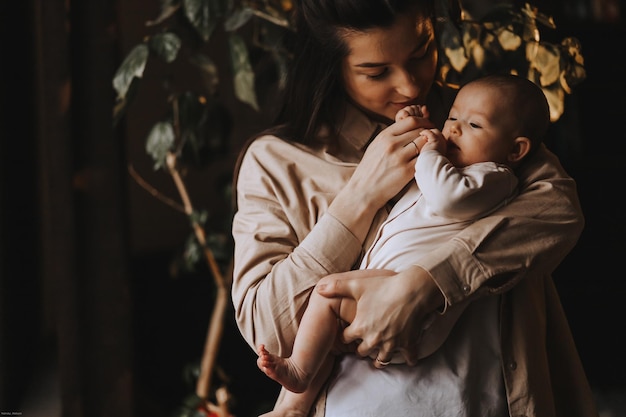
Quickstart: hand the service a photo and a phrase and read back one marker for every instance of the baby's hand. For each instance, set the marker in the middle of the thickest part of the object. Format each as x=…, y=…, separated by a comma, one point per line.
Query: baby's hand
x=412, y=110
x=434, y=140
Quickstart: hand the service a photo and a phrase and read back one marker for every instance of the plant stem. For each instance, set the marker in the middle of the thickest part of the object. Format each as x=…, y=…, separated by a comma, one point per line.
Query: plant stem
x=216, y=324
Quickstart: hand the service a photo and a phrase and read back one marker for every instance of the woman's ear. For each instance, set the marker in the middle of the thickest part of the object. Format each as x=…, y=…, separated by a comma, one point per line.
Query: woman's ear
x=521, y=147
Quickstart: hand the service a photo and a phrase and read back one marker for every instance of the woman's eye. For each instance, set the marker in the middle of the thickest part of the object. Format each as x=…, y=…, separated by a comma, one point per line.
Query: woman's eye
x=378, y=75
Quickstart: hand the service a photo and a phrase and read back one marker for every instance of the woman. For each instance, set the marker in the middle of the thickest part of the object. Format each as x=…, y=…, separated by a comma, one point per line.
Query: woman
x=312, y=192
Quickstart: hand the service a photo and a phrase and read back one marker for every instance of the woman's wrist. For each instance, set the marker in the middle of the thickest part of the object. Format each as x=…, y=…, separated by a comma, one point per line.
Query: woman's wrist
x=353, y=212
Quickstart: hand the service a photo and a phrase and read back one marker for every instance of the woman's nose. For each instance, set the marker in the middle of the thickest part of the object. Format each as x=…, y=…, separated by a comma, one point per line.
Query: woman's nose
x=406, y=85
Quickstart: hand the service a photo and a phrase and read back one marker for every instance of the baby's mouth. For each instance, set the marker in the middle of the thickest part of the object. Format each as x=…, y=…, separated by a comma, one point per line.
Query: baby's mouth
x=452, y=145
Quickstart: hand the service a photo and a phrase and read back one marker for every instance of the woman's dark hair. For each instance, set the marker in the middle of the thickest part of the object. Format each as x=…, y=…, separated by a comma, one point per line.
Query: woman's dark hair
x=314, y=95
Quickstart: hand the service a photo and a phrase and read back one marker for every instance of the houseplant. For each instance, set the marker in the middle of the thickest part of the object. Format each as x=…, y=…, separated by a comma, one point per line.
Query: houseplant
x=505, y=38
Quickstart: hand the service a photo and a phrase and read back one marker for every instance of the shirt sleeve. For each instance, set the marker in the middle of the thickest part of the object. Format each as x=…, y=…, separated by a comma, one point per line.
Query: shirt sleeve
x=282, y=247
x=530, y=235
x=463, y=193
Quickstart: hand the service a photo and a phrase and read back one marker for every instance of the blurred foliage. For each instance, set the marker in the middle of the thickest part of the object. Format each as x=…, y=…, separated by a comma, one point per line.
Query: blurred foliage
x=196, y=130
x=508, y=38
x=198, y=126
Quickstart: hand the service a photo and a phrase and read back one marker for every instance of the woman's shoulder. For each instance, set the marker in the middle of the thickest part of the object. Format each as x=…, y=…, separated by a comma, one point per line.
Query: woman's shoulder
x=269, y=146
x=271, y=153
x=542, y=165
x=266, y=140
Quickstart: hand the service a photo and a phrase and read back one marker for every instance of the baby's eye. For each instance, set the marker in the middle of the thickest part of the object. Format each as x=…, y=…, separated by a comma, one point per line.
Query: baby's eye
x=475, y=126
x=452, y=119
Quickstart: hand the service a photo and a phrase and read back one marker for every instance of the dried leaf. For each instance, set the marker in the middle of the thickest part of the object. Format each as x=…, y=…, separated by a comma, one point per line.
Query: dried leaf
x=509, y=40
x=556, y=99
x=533, y=13
x=457, y=58
x=479, y=55
x=547, y=63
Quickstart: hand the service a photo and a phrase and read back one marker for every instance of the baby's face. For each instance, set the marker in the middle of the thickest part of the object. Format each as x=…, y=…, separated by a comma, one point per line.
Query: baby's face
x=479, y=126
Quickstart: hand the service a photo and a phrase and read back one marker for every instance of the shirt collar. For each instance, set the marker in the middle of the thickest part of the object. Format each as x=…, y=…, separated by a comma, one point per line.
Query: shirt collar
x=358, y=129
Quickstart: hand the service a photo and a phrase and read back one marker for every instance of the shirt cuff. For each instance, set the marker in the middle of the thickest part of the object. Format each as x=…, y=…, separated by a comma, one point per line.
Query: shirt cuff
x=332, y=244
x=453, y=268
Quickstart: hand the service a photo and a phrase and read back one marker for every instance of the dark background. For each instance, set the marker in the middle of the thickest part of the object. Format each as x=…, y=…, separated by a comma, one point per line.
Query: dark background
x=92, y=323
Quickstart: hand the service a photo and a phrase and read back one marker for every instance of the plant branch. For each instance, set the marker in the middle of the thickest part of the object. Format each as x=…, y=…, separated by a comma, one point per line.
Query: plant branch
x=216, y=324
x=153, y=191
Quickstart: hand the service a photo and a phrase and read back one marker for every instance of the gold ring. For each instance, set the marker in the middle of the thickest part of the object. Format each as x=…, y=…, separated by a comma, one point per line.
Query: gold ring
x=383, y=363
x=417, y=150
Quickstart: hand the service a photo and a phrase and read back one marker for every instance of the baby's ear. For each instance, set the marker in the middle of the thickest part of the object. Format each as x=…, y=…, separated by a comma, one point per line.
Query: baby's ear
x=521, y=147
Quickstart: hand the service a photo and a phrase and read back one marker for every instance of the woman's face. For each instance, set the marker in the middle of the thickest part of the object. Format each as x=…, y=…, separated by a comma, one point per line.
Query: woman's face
x=387, y=69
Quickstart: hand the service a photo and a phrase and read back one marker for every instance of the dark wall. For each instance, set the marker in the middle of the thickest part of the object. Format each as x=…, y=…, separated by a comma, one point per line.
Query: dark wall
x=590, y=279
x=20, y=306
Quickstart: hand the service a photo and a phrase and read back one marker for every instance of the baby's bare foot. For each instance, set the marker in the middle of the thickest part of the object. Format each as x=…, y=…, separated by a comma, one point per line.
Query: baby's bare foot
x=282, y=370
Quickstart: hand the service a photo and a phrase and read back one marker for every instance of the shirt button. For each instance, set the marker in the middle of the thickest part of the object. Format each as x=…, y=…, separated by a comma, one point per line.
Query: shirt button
x=512, y=365
x=466, y=288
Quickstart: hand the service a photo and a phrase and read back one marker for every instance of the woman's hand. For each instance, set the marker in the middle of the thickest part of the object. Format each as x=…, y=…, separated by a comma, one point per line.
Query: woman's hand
x=386, y=167
x=389, y=161
x=391, y=308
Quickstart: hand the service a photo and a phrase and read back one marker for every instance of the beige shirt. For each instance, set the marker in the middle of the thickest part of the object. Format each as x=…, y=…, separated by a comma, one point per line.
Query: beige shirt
x=285, y=242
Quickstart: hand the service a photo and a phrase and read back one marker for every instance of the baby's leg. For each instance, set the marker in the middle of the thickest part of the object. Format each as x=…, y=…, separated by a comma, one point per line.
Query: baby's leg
x=293, y=404
x=312, y=345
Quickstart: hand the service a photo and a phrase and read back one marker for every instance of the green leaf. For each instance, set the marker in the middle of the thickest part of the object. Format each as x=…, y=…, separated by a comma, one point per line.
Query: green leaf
x=199, y=216
x=166, y=46
x=203, y=16
x=168, y=8
x=205, y=129
x=192, y=113
x=122, y=103
x=238, y=18
x=208, y=72
x=160, y=140
x=242, y=70
x=132, y=67
x=192, y=254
